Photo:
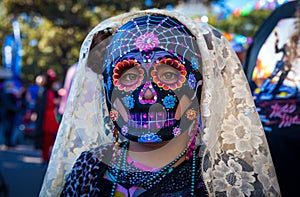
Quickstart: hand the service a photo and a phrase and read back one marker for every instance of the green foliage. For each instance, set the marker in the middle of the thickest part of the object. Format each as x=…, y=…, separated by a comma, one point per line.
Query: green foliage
x=245, y=25
x=53, y=31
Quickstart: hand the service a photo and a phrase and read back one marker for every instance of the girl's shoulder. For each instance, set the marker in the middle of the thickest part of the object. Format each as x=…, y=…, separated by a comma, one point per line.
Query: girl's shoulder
x=100, y=153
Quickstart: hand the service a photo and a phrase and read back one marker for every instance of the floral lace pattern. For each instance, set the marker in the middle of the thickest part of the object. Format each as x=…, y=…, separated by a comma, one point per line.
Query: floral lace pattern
x=231, y=178
x=236, y=159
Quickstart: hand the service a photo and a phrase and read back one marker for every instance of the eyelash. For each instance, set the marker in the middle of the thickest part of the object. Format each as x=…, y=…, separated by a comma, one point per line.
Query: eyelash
x=171, y=73
x=181, y=75
x=128, y=75
x=122, y=67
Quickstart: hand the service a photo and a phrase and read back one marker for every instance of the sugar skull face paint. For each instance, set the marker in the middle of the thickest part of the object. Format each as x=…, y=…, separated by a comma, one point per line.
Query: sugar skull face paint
x=152, y=80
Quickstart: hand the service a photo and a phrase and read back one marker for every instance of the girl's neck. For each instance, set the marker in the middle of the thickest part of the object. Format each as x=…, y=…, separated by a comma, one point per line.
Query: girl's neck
x=157, y=155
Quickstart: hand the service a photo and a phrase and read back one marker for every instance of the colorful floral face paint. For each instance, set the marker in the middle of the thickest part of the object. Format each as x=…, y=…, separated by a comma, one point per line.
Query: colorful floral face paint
x=133, y=77
x=152, y=79
x=147, y=41
x=169, y=74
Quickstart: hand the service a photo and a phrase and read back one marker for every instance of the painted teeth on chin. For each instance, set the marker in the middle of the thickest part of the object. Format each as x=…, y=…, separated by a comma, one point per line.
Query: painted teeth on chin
x=152, y=120
x=152, y=116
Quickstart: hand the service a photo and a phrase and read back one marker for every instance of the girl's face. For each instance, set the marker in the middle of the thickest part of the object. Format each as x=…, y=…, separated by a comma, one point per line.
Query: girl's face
x=152, y=90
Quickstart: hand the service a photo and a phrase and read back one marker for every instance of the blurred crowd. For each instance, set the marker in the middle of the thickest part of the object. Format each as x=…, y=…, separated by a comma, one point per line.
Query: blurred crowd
x=31, y=114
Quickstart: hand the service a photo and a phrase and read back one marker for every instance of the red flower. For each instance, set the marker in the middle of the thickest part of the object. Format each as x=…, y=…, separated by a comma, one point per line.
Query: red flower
x=113, y=115
x=191, y=114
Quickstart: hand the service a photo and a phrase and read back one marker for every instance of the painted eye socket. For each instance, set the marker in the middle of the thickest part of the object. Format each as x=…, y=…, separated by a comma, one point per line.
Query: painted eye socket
x=127, y=75
x=169, y=74
x=130, y=76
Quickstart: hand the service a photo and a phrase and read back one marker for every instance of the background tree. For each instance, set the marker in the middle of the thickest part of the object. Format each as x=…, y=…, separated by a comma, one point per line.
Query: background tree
x=53, y=31
x=244, y=24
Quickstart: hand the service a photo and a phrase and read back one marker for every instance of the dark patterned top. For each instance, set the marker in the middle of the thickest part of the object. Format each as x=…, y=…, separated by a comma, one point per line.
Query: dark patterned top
x=88, y=172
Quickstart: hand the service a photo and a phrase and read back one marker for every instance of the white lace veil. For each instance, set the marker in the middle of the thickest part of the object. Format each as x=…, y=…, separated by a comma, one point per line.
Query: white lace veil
x=236, y=159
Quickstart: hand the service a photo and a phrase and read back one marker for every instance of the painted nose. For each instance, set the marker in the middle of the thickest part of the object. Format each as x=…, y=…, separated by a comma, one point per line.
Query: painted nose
x=148, y=95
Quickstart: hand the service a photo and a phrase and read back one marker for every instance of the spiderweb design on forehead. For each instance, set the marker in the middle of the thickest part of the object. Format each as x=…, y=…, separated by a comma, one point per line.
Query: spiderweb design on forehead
x=152, y=33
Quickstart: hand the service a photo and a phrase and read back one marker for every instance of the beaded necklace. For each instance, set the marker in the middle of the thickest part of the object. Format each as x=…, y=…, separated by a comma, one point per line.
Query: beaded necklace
x=146, y=179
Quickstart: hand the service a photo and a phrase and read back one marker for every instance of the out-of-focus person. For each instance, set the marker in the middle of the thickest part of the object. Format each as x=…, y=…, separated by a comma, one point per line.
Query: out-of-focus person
x=30, y=116
x=47, y=124
x=11, y=108
x=33, y=90
x=64, y=92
